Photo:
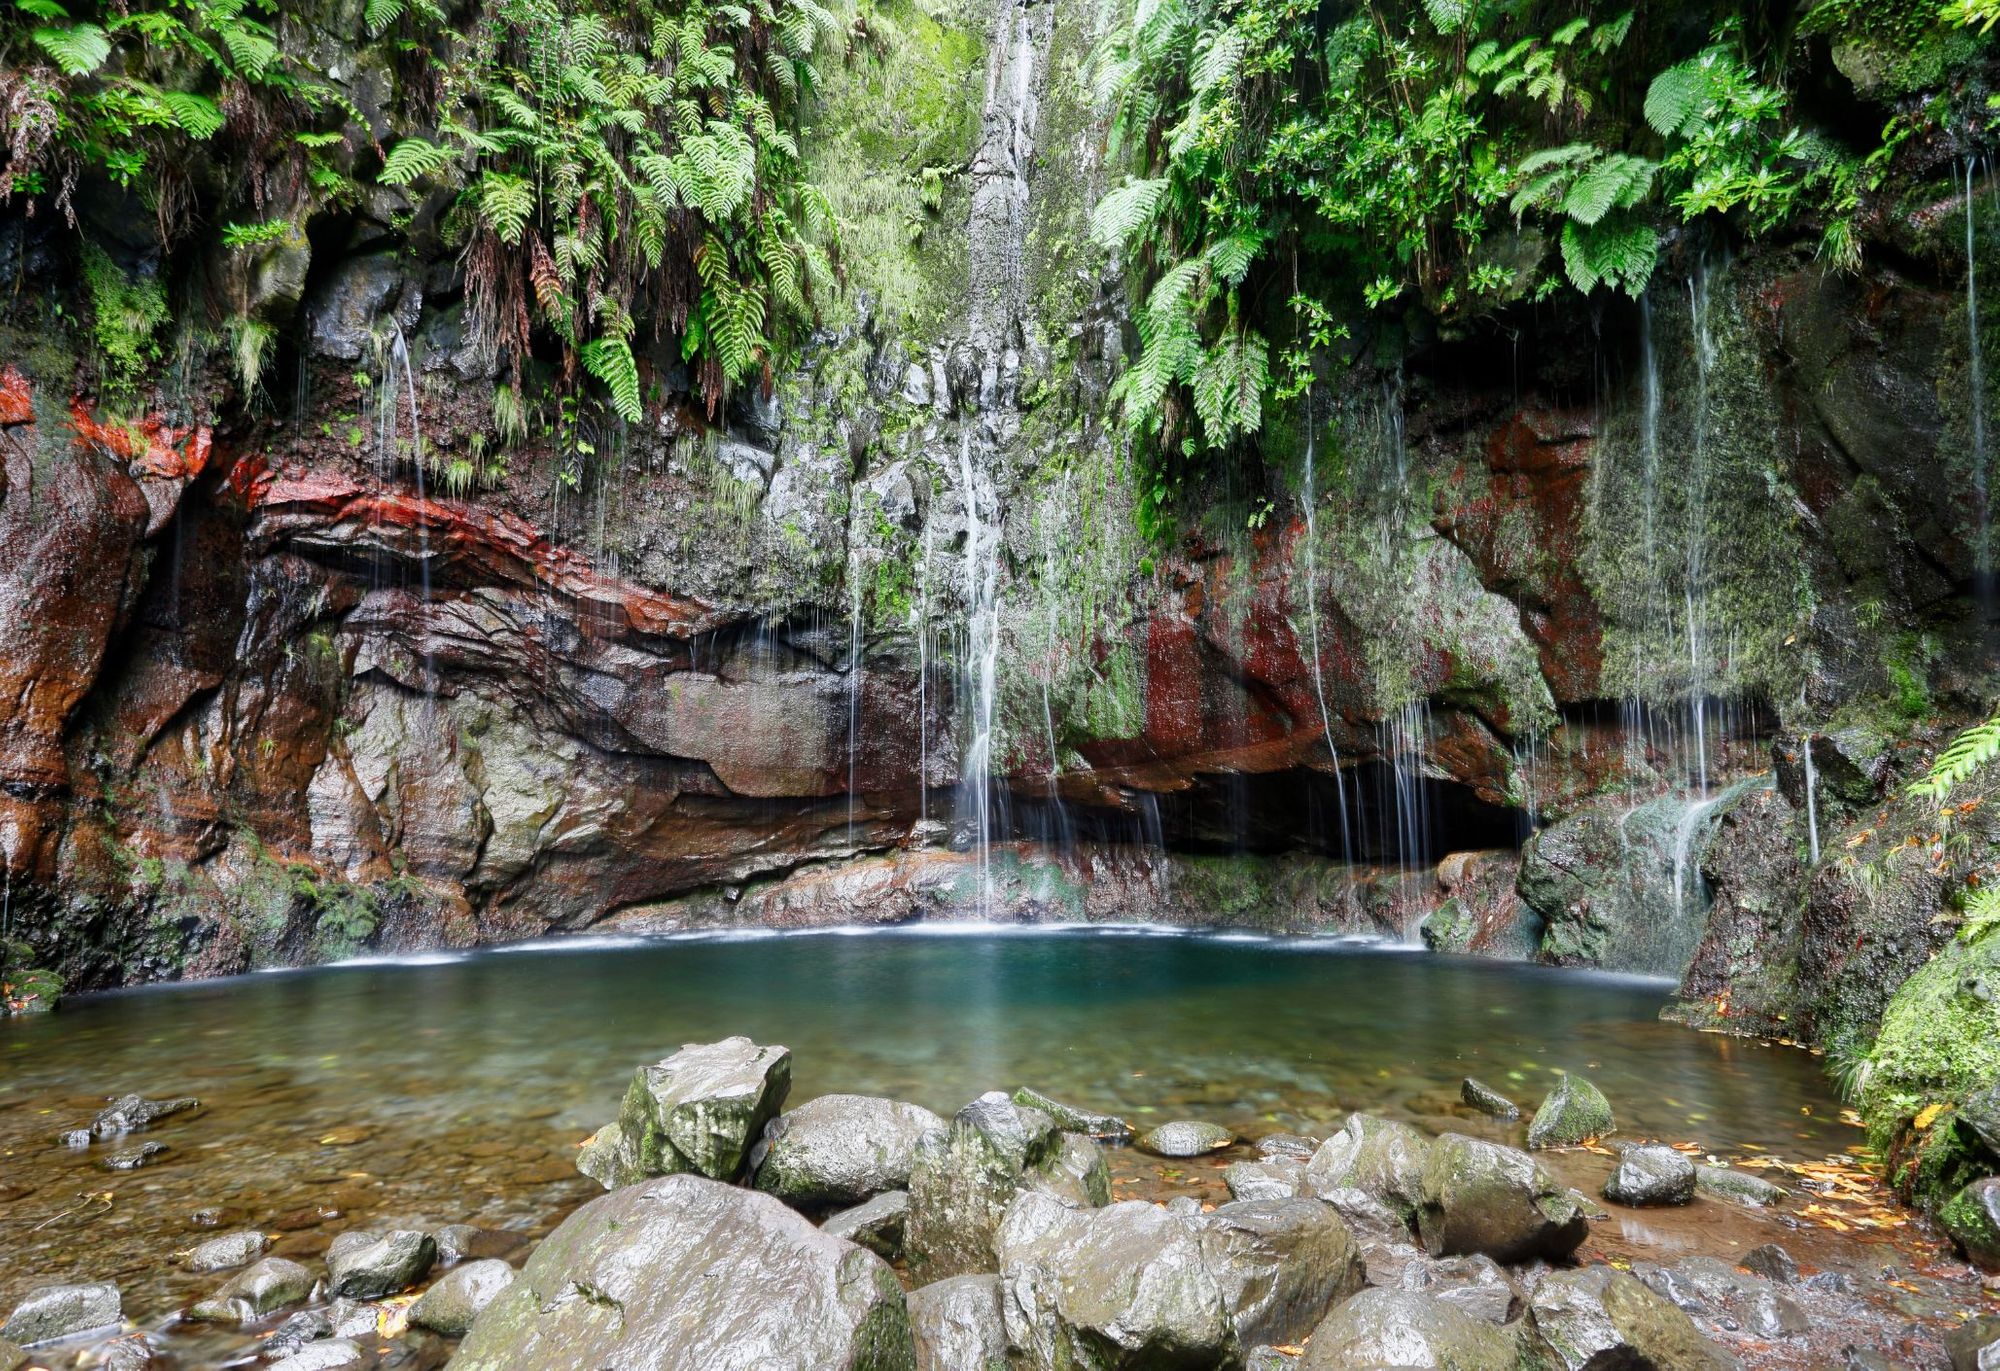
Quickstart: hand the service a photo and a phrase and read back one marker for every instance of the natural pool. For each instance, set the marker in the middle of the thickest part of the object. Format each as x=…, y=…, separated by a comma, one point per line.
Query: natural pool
x=457, y=1088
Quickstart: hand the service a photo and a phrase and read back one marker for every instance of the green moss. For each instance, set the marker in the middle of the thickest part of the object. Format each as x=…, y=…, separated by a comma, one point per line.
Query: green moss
x=1939, y=1042
x=126, y=315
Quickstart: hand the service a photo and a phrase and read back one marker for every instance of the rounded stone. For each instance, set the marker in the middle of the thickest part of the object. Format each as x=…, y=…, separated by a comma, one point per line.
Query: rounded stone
x=1185, y=1138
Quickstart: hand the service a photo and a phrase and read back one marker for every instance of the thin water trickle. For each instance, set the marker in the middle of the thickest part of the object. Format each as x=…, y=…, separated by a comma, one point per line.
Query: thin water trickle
x=1309, y=498
x=923, y=612
x=1976, y=359
x=1697, y=524
x=1812, y=800
x=854, y=670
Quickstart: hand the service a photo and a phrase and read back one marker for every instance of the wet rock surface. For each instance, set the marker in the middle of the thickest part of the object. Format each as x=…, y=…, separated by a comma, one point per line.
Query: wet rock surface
x=270, y=1285
x=1184, y=1138
x=700, y=1110
x=369, y=1265
x=877, y=1225
x=1398, y=1328
x=963, y=1181
x=1601, y=1317
x=685, y=1271
x=227, y=1252
x=1651, y=1176
x=957, y=1325
x=1574, y=1112
x=1480, y=1198
x=841, y=1149
x=60, y=1311
x=450, y=1305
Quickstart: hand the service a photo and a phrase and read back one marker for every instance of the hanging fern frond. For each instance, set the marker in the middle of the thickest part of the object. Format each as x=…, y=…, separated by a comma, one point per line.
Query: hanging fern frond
x=610, y=360
x=1971, y=750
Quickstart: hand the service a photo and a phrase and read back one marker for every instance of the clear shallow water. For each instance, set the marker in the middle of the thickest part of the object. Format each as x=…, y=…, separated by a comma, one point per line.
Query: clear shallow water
x=449, y=1090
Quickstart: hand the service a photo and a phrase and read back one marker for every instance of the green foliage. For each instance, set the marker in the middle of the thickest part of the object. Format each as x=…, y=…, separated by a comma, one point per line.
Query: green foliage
x=126, y=315
x=1967, y=753
x=1967, y=13
x=627, y=165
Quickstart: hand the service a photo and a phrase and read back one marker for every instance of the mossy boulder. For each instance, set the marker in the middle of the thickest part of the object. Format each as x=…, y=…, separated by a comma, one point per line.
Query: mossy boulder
x=29, y=992
x=1938, y=1049
x=1972, y=1217
x=1574, y=1112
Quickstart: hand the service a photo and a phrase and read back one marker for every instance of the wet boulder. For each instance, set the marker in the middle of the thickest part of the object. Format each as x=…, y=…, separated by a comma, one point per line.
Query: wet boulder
x=1653, y=1175
x=1184, y=1138
x=1395, y=1328
x=135, y=1113
x=1268, y=1180
x=1598, y=1317
x=1081, y=1174
x=1487, y=1100
x=1972, y=1217
x=1480, y=1197
x=265, y=1288
x=49, y=1312
x=963, y=1179
x=1475, y=1285
x=329, y=1354
x=877, y=1225
x=841, y=1149
x=1108, y=1127
x=450, y=1306
x=366, y=1266
x=1380, y=1158
x=1293, y=1147
x=134, y=1157
x=226, y=1252
x=957, y=1325
x=700, y=1110
x=1574, y=1112
x=1738, y=1187
x=1733, y=1298
x=682, y=1271
x=1975, y=1344
x=1133, y=1285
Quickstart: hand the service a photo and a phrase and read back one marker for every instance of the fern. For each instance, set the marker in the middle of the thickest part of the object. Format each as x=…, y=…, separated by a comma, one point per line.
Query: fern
x=610, y=360
x=1674, y=100
x=1967, y=753
x=77, y=50
x=1124, y=211
x=412, y=159
x=1448, y=16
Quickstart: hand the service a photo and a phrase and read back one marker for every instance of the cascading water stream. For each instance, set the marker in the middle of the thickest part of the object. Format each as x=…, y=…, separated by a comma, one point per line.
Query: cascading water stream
x=1697, y=524
x=1310, y=499
x=854, y=670
x=923, y=613
x=982, y=623
x=1976, y=365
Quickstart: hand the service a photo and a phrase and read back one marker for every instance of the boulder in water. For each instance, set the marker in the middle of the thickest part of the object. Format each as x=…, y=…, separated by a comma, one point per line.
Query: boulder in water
x=328, y=1354
x=682, y=1271
x=1487, y=1100
x=963, y=1179
x=1379, y=1157
x=1773, y=1263
x=132, y=1158
x=1480, y=1197
x=227, y=1252
x=450, y=1306
x=1740, y=1187
x=366, y=1266
x=1715, y=1288
x=957, y=1325
x=700, y=1110
x=1975, y=1344
x=1396, y=1328
x=1574, y=1112
x=49, y=1312
x=134, y=1113
x=1135, y=1286
x=841, y=1149
x=1652, y=1175
x=1107, y=1127
x=1269, y=1180
x=251, y=1294
x=1598, y=1317
x=1185, y=1138
x=877, y=1225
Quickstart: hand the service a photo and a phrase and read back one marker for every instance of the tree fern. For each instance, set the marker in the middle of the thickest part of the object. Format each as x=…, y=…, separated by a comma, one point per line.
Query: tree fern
x=1124, y=211
x=412, y=159
x=610, y=360
x=77, y=50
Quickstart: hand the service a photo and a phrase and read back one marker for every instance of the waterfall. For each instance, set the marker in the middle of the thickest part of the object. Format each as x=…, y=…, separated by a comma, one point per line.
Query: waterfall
x=1405, y=741
x=1983, y=553
x=1697, y=524
x=982, y=653
x=1310, y=499
x=923, y=612
x=854, y=669
x=1812, y=801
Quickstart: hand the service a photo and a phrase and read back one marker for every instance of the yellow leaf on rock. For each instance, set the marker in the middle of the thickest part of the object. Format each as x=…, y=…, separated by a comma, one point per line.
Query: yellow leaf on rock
x=1927, y=1116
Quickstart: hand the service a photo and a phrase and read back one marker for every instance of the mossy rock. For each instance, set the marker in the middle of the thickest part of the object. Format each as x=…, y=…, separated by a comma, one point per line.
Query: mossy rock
x=1972, y=1217
x=1575, y=1112
x=30, y=992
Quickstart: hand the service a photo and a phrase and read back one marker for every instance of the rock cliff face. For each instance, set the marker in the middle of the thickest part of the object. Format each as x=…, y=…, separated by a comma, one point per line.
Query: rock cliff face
x=291, y=681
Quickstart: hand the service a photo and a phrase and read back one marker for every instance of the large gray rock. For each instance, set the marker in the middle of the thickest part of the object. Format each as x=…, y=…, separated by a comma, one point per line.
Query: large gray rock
x=964, y=1178
x=227, y=1252
x=1381, y=1158
x=1184, y=1138
x=249, y=1295
x=366, y=1266
x=683, y=1272
x=877, y=1225
x=842, y=1149
x=1653, y=1175
x=134, y=1113
x=49, y=1312
x=1279, y=1179
x=1480, y=1197
x=700, y=1110
x=1718, y=1290
x=450, y=1306
x=1133, y=1285
x=1070, y=1119
x=1740, y=1187
x=1574, y=1112
x=1478, y=1286
x=957, y=1325
x=1487, y=1100
x=328, y=1354
x=1081, y=1173
x=1597, y=1318
x=1975, y=1345
x=1396, y=1328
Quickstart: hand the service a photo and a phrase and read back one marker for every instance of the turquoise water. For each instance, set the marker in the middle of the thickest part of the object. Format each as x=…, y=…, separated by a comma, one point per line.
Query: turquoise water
x=456, y=1089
